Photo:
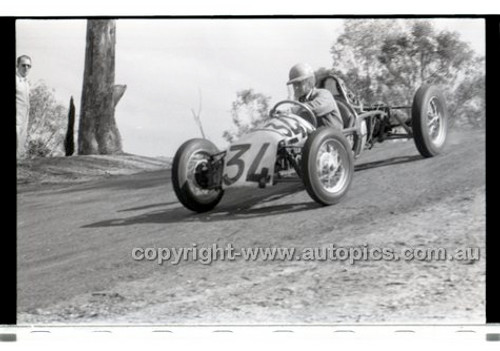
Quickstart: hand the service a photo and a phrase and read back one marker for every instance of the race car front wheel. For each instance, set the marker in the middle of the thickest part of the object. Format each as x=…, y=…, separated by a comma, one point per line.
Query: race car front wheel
x=429, y=119
x=327, y=165
x=189, y=175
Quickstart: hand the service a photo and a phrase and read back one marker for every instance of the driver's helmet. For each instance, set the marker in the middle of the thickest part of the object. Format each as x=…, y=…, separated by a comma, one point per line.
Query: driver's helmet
x=302, y=78
x=300, y=72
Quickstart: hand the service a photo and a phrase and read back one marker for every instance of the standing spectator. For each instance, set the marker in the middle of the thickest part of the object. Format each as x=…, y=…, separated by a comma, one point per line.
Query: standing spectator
x=22, y=103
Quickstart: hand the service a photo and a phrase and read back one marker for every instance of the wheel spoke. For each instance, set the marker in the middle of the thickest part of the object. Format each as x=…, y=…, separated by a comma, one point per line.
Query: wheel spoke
x=331, y=172
x=433, y=120
x=434, y=124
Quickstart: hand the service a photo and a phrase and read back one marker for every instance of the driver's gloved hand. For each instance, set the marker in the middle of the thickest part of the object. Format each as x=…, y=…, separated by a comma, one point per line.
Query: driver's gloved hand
x=296, y=110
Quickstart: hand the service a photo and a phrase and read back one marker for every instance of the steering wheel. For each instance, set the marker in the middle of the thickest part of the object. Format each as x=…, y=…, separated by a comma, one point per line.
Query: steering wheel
x=312, y=117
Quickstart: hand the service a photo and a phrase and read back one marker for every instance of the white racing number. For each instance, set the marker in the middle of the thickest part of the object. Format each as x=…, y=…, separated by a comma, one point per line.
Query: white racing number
x=252, y=159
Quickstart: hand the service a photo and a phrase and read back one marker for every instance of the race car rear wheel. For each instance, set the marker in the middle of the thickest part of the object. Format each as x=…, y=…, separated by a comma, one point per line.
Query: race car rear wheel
x=327, y=165
x=429, y=118
x=189, y=175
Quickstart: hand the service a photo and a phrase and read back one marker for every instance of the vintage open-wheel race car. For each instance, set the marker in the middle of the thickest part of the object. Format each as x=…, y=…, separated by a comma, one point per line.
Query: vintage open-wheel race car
x=290, y=147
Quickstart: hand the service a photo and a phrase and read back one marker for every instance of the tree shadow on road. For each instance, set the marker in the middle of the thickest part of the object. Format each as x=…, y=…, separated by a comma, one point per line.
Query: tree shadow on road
x=244, y=204
x=160, y=204
x=388, y=162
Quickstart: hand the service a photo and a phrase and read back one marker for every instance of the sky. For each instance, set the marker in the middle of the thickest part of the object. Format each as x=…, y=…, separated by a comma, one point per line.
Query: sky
x=168, y=64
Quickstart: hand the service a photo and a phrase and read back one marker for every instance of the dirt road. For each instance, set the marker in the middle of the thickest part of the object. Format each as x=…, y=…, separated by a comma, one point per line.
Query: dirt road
x=75, y=247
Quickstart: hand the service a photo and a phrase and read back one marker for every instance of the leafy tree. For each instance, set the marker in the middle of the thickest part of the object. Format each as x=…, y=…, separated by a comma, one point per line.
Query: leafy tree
x=355, y=54
x=420, y=55
x=247, y=111
x=471, y=112
x=47, y=121
x=388, y=60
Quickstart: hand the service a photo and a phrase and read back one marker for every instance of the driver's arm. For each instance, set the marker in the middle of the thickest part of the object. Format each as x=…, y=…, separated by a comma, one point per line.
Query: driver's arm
x=325, y=108
x=322, y=102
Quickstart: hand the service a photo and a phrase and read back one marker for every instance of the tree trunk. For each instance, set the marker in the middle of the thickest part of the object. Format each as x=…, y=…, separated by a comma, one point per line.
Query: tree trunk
x=118, y=91
x=98, y=133
x=69, y=142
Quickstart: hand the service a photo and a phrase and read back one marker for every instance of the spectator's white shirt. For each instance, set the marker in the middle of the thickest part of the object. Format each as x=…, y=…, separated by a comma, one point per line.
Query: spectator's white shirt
x=22, y=100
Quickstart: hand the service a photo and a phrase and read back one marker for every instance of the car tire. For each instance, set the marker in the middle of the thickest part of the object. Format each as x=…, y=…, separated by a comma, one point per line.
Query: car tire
x=327, y=155
x=188, y=158
x=429, y=119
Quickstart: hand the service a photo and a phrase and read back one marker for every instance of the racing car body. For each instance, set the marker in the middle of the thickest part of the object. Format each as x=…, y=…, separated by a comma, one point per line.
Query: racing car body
x=254, y=157
x=291, y=147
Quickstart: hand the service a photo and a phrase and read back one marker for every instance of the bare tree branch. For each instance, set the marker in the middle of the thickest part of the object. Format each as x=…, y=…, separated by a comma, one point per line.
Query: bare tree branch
x=197, y=115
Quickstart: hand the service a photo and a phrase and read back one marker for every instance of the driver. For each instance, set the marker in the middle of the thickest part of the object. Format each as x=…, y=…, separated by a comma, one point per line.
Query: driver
x=320, y=101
